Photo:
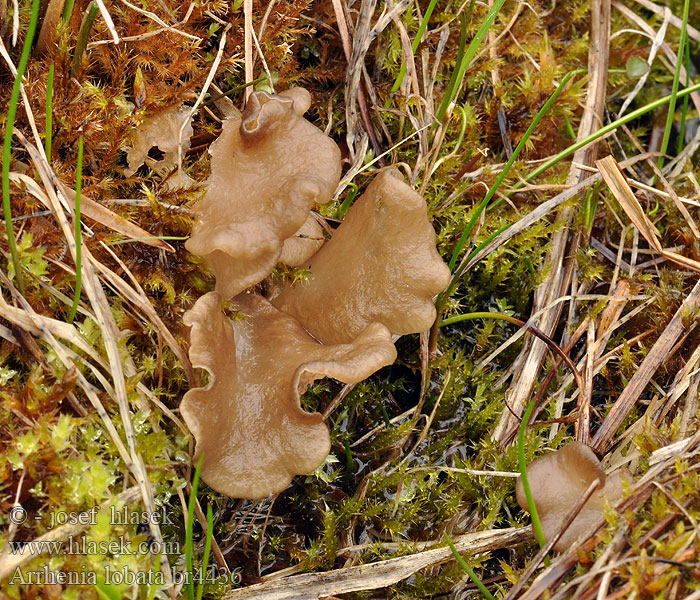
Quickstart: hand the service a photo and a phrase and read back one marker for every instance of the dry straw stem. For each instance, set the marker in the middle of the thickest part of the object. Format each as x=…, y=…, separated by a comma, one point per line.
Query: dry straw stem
x=154, y=32
x=49, y=25
x=560, y=275
x=342, y=29
x=165, y=27
x=202, y=93
x=108, y=20
x=138, y=298
x=613, y=177
x=659, y=352
x=103, y=215
x=365, y=34
x=675, y=21
x=377, y=575
x=248, y=45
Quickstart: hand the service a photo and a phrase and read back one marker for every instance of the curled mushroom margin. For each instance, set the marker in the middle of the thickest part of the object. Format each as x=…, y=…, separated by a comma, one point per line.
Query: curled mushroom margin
x=268, y=168
x=248, y=421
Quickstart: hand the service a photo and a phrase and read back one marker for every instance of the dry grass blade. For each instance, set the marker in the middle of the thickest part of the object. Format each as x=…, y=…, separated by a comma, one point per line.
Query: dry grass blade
x=103, y=215
x=619, y=187
x=108, y=20
x=248, y=45
x=140, y=300
x=95, y=211
x=559, y=273
x=365, y=33
x=654, y=359
x=48, y=27
x=675, y=21
x=377, y=575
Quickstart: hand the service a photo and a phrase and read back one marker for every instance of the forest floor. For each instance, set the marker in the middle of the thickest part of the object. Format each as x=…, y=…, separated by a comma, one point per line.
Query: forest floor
x=574, y=219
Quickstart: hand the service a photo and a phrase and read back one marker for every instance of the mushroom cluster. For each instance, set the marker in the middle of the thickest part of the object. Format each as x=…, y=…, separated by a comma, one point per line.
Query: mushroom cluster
x=374, y=279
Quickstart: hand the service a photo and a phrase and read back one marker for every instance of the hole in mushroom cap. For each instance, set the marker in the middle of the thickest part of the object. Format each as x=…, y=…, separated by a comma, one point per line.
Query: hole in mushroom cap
x=156, y=153
x=558, y=480
x=155, y=144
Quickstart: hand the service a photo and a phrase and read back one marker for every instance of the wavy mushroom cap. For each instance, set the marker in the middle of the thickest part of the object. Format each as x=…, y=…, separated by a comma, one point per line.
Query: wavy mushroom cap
x=268, y=168
x=380, y=266
x=248, y=421
x=558, y=480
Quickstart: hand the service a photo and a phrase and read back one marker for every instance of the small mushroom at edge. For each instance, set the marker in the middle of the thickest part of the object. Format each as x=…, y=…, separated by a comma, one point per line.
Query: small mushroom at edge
x=558, y=480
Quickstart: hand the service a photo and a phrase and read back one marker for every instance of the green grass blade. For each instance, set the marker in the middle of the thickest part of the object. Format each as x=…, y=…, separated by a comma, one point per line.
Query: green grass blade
x=451, y=86
x=590, y=205
x=49, y=115
x=468, y=56
x=83, y=35
x=684, y=114
x=189, y=547
x=676, y=81
x=468, y=570
x=78, y=236
x=479, y=315
x=504, y=173
x=207, y=550
x=347, y=201
x=349, y=462
x=536, y=524
x=596, y=135
x=67, y=10
x=7, y=147
x=415, y=44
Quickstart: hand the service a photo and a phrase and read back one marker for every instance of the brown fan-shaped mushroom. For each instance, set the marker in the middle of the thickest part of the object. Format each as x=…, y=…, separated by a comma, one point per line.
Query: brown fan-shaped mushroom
x=558, y=480
x=248, y=420
x=268, y=168
x=380, y=266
